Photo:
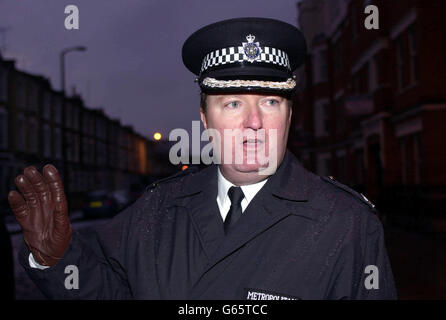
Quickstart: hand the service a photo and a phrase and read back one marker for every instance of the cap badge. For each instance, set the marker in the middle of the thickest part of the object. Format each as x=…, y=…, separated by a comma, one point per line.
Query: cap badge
x=251, y=49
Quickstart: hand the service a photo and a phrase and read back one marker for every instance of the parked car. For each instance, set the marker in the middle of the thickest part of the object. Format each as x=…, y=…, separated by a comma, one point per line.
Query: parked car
x=122, y=198
x=100, y=204
x=126, y=197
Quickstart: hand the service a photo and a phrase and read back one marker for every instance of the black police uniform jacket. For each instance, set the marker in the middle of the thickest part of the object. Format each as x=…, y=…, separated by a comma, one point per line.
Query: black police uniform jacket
x=301, y=237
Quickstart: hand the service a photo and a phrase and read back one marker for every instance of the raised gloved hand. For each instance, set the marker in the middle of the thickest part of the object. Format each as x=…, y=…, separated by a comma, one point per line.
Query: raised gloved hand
x=42, y=213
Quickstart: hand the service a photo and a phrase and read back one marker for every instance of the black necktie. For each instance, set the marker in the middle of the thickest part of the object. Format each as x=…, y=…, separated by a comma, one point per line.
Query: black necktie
x=235, y=211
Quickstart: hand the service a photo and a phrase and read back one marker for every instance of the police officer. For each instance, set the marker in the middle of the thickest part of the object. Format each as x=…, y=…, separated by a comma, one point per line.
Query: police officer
x=259, y=228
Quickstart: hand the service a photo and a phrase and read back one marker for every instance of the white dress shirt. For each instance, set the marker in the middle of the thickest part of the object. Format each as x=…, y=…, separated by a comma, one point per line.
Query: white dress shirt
x=223, y=201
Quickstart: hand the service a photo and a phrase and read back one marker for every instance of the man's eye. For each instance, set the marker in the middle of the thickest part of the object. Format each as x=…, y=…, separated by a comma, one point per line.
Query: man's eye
x=233, y=104
x=272, y=102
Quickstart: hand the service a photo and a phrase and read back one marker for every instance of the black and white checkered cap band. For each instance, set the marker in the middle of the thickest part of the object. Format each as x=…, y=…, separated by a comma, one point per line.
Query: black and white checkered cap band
x=237, y=54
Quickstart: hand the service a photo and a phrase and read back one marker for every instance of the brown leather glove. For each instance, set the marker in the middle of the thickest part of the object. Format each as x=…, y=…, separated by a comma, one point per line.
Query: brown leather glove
x=42, y=213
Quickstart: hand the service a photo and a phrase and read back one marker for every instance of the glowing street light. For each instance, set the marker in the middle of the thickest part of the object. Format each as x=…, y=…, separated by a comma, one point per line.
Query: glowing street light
x=157, y=136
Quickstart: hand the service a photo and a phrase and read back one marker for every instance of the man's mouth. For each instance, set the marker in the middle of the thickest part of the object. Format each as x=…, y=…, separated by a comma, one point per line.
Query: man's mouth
x=252, y=142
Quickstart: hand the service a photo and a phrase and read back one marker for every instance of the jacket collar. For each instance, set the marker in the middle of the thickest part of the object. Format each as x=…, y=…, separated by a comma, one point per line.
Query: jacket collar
x=291, y=181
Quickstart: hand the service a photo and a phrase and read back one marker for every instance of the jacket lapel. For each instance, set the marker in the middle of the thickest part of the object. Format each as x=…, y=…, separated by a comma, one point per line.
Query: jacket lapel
x=285, y=193
x=199, y=199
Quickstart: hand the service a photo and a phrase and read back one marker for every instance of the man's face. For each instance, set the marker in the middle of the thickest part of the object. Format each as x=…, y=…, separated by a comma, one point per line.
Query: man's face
x=263, y=123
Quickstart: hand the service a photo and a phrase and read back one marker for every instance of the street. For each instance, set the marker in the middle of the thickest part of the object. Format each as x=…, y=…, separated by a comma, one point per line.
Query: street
x=418, y=262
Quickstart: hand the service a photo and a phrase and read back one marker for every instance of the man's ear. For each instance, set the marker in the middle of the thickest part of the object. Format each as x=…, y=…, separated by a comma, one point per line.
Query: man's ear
x=203, y=118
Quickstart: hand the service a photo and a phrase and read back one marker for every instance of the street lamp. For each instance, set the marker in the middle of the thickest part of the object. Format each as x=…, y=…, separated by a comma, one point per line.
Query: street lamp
x=62, y=63
x=62, y=87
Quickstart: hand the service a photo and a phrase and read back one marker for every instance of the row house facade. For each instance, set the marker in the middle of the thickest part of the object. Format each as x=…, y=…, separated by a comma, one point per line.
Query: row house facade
x=371, y=103
x=39, y=125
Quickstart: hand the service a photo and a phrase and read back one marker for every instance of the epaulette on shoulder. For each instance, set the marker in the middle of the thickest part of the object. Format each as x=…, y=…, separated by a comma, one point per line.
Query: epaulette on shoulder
x=356, y=194
x=189, y=170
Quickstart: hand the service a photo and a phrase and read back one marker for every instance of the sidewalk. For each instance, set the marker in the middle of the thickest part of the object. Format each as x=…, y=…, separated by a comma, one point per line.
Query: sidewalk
x=418, y=262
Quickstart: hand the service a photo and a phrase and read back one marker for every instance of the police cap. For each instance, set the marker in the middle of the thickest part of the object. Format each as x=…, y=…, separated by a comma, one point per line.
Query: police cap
x=245, y=54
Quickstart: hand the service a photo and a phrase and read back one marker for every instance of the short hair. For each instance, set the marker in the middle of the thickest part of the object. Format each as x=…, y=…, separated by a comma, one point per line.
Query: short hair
x=203, y=102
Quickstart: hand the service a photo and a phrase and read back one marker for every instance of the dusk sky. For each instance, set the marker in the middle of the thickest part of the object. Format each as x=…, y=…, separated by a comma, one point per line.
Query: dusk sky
x=133, y=67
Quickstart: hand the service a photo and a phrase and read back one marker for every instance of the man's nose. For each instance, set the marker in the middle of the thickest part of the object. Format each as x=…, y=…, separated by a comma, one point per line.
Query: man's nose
x=253, y=118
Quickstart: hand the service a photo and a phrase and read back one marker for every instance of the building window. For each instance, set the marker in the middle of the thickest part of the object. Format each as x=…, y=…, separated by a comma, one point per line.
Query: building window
x=20, y=92
x=320, y=66
x=323, y=65
x=85, y=150
x=338, y=63
x=101, y=153
x=76, y=117
x=68, y=115
x=47, y=105
x=355, y=84
x=340, y=114
x=100, y=128
x=354, y=23
x=46, y=141
x=326, y=120
x=366, y=88
x=373, y=74
x=57, y=109
x=85, y=122
x=323, y=165
x=58, y=143
x=342, y=168
x=69, y=145
x=3, y=84
x=411, y=161
x=3, y=129
x=92, y=151
x=33, y=96
x=321, y=117
x=413, y=54
x=401, y=63
x=76, y=147
x=360, y=167
x=33, y=136
x=21, y=132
